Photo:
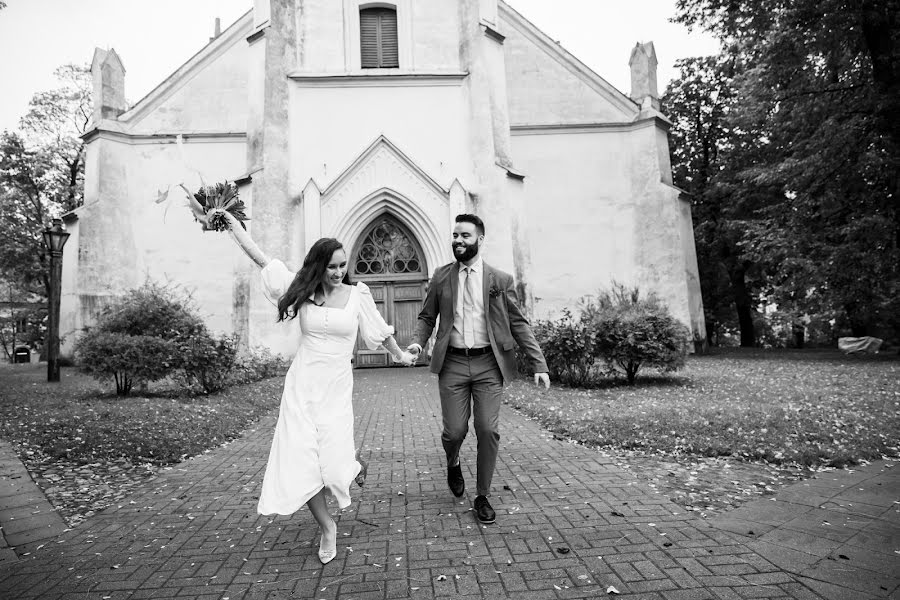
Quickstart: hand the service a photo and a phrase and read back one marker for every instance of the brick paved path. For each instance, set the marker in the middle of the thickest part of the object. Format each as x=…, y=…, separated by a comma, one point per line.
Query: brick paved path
x=570, y=524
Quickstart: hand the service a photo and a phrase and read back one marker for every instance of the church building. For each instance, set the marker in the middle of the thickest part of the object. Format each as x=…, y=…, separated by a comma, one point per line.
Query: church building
x=376, y=123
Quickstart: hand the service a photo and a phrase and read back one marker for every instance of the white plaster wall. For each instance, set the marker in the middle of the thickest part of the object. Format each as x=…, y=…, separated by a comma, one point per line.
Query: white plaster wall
x=68, y=302
x=435, y=35
x=167, y=246
x=659, y=261
x=579, y=212
x=106, y=249
x=171, y=246
x=211, y=98
x=598, y=212
x=321, y=36
x=692, y=271
x=542, y=90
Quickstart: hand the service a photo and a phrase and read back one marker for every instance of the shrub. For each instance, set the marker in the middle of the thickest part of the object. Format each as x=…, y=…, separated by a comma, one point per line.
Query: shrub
x=153, y=310
x=206, y=362
x=124, y=358
x=631, y=332
x=257, y=364
x=137, y=337
x=568, y=347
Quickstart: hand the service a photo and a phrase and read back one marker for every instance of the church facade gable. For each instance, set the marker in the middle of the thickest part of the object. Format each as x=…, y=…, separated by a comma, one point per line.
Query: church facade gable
x=547, y=85
x=206, y=94
x=385, y=180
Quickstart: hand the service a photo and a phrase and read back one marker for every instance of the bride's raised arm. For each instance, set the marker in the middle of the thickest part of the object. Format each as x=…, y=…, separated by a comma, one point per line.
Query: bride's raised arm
x=246, y=243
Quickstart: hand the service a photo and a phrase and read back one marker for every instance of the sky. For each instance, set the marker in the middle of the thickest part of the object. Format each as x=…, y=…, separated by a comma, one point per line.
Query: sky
x=155, y=37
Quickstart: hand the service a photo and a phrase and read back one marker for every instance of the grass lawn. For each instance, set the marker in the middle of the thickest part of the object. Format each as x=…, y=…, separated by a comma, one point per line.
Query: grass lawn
x=81, y=421
x=87, y=448
x=758, y=414
x=807, y=408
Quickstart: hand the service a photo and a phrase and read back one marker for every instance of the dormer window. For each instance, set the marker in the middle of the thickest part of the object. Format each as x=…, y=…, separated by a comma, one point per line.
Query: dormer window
x=379, y=48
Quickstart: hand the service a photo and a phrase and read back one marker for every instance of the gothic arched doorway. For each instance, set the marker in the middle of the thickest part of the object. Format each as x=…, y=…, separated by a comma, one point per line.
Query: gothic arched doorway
x=388, y=258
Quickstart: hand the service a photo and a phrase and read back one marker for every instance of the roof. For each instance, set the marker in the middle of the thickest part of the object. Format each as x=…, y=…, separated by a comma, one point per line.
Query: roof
x=217, y=46
x=567, y=59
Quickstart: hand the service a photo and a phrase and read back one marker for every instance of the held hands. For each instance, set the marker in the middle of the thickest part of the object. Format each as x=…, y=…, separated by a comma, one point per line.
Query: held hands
x=407, y=359
x=414, y=349
x=544, y=378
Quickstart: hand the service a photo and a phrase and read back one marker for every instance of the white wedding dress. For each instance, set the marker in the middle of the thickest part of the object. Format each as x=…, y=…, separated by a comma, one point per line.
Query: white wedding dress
x=313, y=445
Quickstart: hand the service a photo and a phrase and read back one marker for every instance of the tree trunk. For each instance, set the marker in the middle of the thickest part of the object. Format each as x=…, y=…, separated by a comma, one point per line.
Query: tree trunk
x=712, y=332
x=799, y=333
x=631, y=371
x=743, y=305
x=859, y=325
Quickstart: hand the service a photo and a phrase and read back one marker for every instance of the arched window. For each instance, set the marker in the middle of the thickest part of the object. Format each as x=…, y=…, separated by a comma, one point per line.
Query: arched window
x=387, y=250
x=378, y=38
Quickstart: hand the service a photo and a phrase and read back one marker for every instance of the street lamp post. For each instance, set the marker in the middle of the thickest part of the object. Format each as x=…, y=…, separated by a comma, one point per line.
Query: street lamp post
x=55, y=238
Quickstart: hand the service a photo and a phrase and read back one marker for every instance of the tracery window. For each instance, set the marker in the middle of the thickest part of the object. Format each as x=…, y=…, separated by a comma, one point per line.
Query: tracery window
x=387, y=250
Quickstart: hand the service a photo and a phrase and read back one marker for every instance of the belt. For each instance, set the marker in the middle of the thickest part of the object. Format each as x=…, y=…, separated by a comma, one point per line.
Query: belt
x=469, y=351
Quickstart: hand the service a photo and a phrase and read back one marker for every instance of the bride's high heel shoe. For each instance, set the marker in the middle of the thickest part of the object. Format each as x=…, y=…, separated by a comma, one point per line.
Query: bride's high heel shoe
x=361, y=477
x=327, y=552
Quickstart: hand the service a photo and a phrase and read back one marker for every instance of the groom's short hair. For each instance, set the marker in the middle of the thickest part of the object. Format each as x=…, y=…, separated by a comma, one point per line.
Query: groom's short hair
x=474, y=220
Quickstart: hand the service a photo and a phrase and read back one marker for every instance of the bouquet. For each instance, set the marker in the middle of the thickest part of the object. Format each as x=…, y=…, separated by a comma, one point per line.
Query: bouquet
x=210, y=204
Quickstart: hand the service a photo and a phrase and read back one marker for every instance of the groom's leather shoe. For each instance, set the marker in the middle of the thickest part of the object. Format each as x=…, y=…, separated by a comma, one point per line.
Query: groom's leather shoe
x=483, y=510
x=455, y=480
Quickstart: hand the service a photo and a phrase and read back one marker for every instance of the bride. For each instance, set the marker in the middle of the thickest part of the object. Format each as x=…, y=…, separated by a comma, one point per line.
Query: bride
x=313, y=450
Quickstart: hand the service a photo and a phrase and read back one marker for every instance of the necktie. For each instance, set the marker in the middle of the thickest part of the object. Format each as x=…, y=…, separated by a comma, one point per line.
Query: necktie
x=468, y=309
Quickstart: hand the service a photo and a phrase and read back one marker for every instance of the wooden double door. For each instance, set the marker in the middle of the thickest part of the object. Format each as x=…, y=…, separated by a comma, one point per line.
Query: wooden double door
x=399, y=302
x=389, y=260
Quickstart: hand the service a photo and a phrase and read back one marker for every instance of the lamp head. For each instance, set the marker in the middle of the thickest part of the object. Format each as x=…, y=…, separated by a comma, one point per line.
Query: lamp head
x=55, y=236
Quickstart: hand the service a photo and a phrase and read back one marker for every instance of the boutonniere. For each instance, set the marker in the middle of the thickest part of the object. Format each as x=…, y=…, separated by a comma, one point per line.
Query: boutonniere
x=494, y=291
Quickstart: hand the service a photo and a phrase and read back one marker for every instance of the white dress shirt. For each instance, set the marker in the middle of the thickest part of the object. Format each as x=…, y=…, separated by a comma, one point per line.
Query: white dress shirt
x=478, y=316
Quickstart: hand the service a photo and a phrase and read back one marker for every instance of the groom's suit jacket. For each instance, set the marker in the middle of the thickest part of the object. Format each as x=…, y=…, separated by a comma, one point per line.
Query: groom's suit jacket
x=506, y=325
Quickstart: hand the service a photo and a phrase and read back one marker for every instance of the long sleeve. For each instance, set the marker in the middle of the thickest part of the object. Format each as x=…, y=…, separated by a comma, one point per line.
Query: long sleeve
x=276, y=279
x=428, y=315
x=521, y=330
x=372, y=327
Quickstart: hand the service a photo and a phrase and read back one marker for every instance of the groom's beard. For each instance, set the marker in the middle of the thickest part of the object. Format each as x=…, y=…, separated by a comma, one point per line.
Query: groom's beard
x=470, y=252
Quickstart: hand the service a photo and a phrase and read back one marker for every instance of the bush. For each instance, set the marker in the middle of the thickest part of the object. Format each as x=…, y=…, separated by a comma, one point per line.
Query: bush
x=125, y=358
x=153, y=310
x=568, y=347
x=207, y=362
x=138, y=338
x=631, y=332
x=257, y=364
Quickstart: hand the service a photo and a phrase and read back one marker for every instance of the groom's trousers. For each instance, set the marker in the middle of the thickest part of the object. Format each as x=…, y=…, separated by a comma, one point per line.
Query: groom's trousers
x=468, y=383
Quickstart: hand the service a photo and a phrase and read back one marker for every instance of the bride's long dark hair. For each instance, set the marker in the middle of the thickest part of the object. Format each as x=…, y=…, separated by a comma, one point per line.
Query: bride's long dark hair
x=309, y=278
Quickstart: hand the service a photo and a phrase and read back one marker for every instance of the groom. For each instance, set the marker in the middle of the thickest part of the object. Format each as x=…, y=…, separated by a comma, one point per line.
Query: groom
x=474, y=352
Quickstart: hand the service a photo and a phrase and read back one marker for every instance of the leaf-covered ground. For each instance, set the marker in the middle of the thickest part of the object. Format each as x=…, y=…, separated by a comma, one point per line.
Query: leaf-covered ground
x=87, y=449
x=733, y=425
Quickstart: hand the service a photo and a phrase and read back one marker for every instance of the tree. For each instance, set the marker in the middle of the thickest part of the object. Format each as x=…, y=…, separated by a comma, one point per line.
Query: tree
x=24, y=210
x=699, y=103
x=708, y=152
x=820, y=83
x=54, y=124
x=22, y=319
x=42, y=175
